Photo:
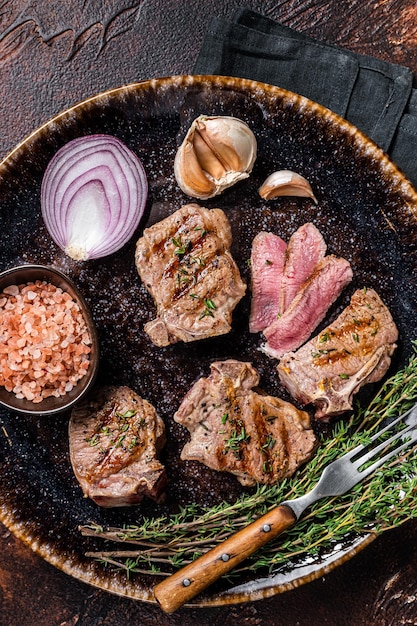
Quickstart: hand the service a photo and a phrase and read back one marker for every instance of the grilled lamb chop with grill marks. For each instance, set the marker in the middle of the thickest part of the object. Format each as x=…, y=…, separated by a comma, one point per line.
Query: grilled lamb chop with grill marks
x=185, y=263
x=289, y=331
x=354, y=350
x=115, y=437
x=234, y=428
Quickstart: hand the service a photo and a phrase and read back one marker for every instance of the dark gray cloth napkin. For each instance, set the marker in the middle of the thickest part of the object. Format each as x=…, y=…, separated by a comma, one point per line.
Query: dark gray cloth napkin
x=376, y=96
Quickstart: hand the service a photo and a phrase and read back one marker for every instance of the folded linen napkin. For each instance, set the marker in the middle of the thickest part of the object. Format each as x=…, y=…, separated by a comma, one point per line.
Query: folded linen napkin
x=376, y=96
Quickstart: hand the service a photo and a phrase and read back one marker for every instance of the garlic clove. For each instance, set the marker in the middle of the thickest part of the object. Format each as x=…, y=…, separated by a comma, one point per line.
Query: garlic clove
x=217, y=152
x=286, y=183
x=187, y=168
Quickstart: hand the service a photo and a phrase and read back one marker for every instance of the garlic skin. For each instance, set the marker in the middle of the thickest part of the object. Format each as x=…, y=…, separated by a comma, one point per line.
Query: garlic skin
x=286, y=183
x=216, y=153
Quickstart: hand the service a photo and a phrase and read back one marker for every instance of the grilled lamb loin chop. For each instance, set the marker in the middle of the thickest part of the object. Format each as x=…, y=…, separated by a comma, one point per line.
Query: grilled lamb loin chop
x=259, y=438
x=354, y=350
x=185, y=263
x=308, y=308
x=115, y=438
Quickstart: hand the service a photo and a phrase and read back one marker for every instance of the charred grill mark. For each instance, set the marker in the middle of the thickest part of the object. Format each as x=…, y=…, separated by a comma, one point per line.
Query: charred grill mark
x=264, y=437
x=116, y=439
x=189, y=255
x=238, y=440
x=190, y=272
x=233, y=434
x=274, y=459
x=282, y=460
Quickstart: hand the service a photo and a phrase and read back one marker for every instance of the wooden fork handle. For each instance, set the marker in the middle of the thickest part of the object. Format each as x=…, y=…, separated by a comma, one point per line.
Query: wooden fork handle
x=185, y=584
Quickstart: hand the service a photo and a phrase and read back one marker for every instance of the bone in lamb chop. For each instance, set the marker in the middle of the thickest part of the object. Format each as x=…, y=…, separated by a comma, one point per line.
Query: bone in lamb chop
x=354, y=350
x=237, y=428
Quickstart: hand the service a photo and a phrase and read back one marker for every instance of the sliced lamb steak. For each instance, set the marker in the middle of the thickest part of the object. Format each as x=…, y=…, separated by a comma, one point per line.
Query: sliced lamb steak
x=259, y=438
x=115, y=437
x=308, y=308
x=278, y=271
x=267, y=266
x=306, y=248
x=354, y=350
x=186, y=265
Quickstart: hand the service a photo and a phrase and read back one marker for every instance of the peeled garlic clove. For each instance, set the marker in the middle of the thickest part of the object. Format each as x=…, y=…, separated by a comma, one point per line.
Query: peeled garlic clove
x=286, y=183
x=216, y=153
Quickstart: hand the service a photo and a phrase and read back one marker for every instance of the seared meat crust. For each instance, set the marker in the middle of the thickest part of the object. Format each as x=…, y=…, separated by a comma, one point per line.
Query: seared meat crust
x=258, y=438
x=185, y=263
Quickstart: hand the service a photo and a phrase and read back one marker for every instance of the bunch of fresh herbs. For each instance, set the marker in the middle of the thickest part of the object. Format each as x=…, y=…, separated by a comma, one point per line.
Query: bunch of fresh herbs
x=383, y=501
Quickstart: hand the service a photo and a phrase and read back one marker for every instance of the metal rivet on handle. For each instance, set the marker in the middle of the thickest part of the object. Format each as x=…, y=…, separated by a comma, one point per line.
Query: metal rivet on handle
x=266, y=528
x=225, y=557
x=186, y=582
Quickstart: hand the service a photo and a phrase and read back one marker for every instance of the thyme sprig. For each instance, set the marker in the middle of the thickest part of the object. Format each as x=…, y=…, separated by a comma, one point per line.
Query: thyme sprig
x=383, y=501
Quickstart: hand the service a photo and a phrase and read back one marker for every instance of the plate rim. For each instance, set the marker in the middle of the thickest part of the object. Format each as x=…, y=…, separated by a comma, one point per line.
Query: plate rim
x=402, y=184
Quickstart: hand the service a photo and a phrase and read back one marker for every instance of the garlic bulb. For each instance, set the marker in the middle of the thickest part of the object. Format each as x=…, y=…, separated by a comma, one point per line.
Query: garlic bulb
x=216, y=153
x=286, y=183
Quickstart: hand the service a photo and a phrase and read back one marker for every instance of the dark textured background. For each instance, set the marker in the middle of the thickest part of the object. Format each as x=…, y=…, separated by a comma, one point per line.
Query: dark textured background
x=55, y=54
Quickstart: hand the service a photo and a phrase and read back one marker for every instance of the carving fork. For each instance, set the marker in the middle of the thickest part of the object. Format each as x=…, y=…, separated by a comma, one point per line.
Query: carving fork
x=337, y=478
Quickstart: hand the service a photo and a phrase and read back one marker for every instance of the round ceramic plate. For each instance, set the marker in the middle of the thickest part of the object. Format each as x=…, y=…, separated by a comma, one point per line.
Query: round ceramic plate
x=367, y=212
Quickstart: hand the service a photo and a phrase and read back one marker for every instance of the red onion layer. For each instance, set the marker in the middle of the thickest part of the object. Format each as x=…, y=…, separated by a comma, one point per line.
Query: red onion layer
x=93, y=196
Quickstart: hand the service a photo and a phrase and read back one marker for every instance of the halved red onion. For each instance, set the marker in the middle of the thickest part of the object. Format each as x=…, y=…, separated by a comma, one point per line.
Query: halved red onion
x=93, y=196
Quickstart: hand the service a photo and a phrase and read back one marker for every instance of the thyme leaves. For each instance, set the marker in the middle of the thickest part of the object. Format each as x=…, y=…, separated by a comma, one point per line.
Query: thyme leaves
x=209, y=308
x=237, y=438
x=324, y=337
x=181, y=247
